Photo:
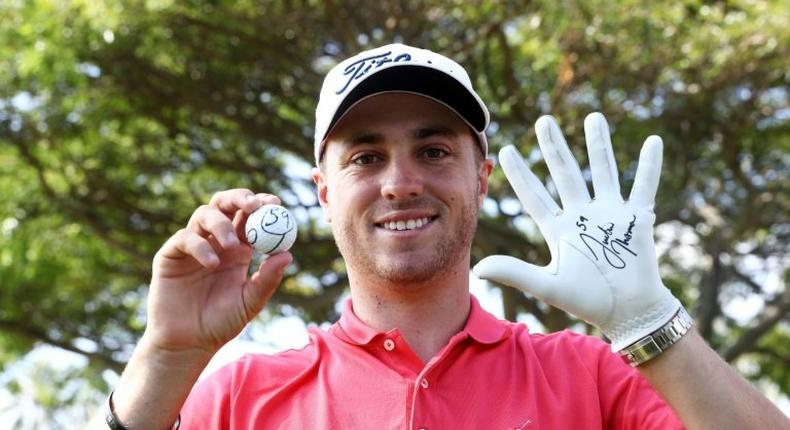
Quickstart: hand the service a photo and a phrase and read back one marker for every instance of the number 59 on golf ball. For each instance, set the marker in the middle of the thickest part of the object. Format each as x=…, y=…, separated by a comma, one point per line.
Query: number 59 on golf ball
x=271, y=229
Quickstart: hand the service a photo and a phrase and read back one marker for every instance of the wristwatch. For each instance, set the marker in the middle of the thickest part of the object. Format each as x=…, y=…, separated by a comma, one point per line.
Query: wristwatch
x=652, y=345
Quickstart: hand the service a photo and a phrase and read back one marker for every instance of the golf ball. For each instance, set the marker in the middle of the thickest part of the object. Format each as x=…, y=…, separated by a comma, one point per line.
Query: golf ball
x=271, y=229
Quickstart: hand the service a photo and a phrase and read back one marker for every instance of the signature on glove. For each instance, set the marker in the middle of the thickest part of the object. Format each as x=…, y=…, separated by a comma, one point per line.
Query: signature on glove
x=611, y=248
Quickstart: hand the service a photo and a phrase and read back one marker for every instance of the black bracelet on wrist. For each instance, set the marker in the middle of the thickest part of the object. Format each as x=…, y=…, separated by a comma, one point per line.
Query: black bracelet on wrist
x=109, y=416
x=114, y=424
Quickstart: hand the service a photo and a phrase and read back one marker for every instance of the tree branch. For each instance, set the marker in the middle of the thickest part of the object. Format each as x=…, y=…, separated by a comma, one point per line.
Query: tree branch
x=37, y=335
x=747, y=341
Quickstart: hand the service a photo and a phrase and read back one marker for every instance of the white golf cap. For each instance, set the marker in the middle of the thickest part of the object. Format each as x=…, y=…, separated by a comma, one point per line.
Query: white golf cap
x=398, y=68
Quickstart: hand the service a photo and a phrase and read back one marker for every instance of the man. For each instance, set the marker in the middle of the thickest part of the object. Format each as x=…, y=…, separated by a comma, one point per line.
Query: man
x=401, y=174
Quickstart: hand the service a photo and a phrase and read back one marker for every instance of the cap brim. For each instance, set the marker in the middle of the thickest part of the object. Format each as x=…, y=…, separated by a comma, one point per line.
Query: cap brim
x=419, y=80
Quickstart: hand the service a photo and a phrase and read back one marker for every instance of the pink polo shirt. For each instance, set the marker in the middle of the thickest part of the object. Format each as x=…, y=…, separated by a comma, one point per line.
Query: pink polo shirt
x=492, y=375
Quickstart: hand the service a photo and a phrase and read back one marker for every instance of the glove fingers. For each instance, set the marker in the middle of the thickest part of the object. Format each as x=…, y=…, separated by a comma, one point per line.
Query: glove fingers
x=516, y=273
x=648, y=173
x=563, y=166
x=530, y=191
x=603, y=167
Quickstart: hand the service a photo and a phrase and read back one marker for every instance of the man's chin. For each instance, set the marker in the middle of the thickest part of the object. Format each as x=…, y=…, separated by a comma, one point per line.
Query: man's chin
x=411, y=275
x=414, y=268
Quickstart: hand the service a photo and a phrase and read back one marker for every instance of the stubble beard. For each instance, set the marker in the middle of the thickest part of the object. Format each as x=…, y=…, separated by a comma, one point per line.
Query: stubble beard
x=447, y=253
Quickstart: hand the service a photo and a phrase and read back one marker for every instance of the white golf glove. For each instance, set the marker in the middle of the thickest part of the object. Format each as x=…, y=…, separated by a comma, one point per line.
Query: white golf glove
x=603, y=265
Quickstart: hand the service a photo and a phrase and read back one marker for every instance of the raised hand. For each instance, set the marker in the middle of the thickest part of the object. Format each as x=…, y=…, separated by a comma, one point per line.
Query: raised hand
x=603, y=265
x=200, y=294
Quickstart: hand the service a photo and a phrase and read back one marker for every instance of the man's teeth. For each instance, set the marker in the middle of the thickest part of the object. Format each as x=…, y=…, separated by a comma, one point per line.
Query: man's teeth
x=406, y=225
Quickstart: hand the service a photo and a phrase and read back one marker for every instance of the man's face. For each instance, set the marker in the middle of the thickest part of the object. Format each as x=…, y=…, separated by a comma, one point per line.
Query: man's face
x=401, y=187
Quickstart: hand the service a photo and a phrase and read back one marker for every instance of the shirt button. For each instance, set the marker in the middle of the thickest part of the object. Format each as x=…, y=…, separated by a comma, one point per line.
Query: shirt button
x=424, y=383
x=389, y=344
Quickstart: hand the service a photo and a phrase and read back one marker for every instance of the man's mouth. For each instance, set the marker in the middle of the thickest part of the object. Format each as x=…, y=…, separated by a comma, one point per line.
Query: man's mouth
x=407, y=224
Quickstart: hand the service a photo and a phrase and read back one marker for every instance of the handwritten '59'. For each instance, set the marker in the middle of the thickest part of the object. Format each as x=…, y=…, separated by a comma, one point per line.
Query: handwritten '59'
x=606, y=246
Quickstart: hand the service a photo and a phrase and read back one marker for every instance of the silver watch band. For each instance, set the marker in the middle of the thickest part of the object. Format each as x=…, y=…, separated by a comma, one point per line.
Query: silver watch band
x=655, y=343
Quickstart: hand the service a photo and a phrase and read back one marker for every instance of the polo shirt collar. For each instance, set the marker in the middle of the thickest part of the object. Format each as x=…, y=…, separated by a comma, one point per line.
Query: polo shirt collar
x=353, y=329
x=480, y=326
x=484, y=327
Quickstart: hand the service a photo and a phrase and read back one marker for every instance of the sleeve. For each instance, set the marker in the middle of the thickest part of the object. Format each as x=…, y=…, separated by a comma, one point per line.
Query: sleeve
x=208, y=404
x=628, y=401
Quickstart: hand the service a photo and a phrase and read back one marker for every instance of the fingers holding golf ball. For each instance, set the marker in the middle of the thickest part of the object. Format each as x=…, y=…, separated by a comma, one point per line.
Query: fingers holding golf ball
x=215, y=228
x=241, y=199
x=203, y=270
x=271, y=229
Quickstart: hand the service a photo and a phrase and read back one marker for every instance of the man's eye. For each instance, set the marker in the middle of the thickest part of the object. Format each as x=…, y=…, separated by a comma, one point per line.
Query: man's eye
x=365, y=159
x=435, y=153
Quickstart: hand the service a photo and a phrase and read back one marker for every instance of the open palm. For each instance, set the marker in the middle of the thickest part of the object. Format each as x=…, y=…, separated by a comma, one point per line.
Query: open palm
x=603, y=266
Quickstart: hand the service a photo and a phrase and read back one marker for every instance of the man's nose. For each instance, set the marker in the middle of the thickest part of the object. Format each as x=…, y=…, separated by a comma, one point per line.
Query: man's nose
x=402, y=180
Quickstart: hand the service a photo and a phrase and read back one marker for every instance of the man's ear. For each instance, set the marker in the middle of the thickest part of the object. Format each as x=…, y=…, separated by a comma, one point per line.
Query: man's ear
x=321, y=191
x=486, y=167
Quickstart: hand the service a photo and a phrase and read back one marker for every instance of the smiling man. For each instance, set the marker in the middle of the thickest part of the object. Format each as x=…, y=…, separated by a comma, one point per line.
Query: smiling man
x=401, y=174
x=401, y=181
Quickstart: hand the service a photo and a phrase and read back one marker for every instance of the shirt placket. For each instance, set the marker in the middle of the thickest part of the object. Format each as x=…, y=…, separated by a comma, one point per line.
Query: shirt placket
x=426, y=379
x=392, y=350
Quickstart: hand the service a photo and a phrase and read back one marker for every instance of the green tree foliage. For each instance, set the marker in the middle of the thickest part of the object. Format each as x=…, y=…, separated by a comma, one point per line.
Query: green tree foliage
x=118, y=118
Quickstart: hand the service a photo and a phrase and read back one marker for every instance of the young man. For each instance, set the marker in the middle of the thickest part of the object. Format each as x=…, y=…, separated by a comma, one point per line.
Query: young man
x=402, y=172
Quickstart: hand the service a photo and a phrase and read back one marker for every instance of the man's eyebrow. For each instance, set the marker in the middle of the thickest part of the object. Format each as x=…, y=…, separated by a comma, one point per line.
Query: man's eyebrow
x=364, y=138
x=434, y=130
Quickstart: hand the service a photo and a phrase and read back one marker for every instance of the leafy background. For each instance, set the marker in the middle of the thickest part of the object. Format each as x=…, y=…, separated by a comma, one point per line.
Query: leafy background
x=118, y=118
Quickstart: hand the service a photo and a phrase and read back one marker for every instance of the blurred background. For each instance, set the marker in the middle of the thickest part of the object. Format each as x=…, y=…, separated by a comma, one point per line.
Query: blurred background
x=119, y=118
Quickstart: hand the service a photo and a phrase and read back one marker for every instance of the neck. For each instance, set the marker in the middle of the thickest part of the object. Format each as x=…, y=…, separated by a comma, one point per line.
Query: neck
x=427, y=314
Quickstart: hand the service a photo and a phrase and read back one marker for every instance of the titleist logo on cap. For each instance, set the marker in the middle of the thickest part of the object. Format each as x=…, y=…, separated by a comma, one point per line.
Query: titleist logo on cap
x=361, y=67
